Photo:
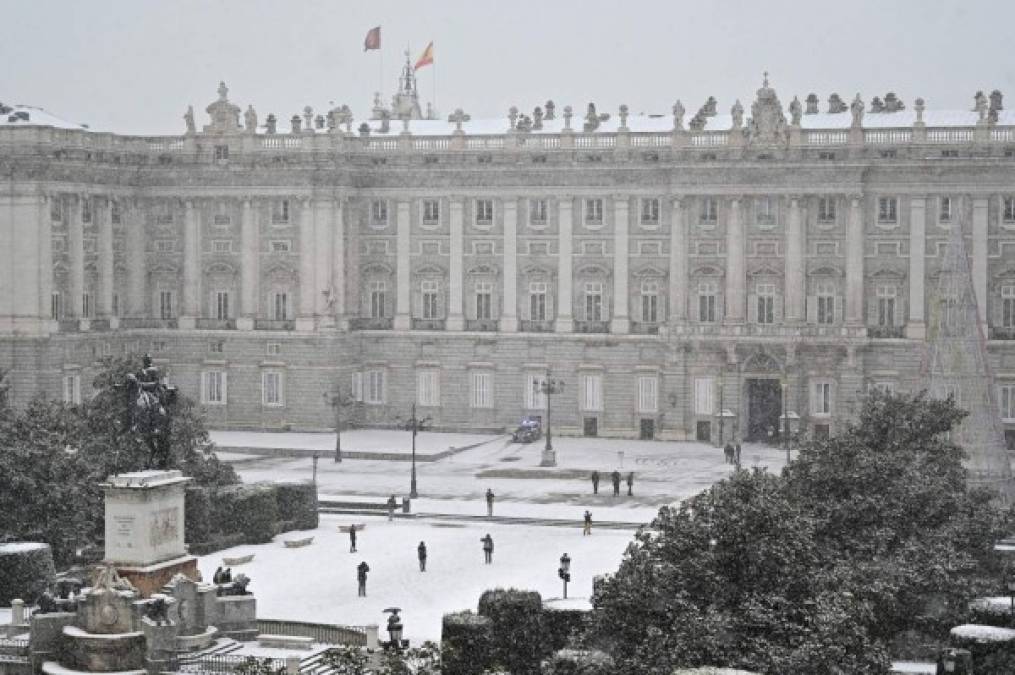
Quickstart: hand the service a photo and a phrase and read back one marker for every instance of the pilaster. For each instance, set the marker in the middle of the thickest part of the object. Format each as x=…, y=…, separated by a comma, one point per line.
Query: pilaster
x=620, y=322
x=308, y=278
x=509, y=309
x=76, y=258
x=916, y=328
x=403, y=310
x=565, y=319
x=678, y=263
x=854, y=262
x=338, y=262
x=104, y=301
x=45, y=266
x=456, y=321
x=736, y=279
x=794, y=273
x=137, y=282
x=323, y=290
x=191, y=267
x=979, y=268
x=248, y=266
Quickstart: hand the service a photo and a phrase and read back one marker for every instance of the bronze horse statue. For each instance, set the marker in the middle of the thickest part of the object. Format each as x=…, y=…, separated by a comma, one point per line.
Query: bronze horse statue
x=148, y=402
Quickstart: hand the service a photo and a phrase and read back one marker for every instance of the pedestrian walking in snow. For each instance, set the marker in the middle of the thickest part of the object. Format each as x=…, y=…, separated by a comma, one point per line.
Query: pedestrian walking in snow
x=736, y=454
x=489, y=502
x=615, y=476
x=352, y=538
x=587, y=529
x=421, y=553
x=487, y=548
x=728, y=452
x=630, y=483
x=595, y=482
x=391, y=508
x=361, y=577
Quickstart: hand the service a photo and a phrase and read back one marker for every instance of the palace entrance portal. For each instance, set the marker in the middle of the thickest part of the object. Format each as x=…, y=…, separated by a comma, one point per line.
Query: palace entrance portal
x=764, y=407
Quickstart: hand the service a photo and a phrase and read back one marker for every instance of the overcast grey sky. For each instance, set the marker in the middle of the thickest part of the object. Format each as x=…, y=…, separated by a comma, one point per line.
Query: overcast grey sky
x=133, y=66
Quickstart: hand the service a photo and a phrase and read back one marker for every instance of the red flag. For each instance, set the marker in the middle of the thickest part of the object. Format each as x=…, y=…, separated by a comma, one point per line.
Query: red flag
x=426, y=58
x=373, y=39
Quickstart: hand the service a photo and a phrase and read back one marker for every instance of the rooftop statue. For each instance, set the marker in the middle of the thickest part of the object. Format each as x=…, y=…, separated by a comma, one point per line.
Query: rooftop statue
x=549, y=110
x=857, y=109
x=150, y=402
x=225, y=116
x=678, y=116
x=795, y=111
x=768, y=123
x=836, y=104
x=737, y=111
x=812, y=104
x=188, y=117
x=250, y=120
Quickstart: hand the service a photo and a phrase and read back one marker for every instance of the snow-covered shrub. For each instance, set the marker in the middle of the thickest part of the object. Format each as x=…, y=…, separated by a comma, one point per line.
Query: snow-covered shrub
x=26, y=570
x=465, y=643
x=250, y=509
x=519, y=641
x=297, y=503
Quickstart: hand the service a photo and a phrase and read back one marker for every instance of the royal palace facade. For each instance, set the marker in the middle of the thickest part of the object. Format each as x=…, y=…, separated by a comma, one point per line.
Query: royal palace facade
x=678, y=273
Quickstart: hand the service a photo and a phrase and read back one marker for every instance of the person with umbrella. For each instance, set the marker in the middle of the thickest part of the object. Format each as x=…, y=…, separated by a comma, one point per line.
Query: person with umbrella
x=361, y=577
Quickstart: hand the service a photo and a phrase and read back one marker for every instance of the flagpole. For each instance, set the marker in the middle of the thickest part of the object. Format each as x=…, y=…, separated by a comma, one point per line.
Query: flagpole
x=434, y=81
x=380, y=74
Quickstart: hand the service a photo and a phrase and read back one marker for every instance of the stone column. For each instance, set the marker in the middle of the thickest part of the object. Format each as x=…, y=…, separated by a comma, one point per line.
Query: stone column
x=45, y=268
x=137, y=283
x=403, y=309
x=338, y=261
x=248, y=266
x=509, y=308
x=308, y=280
x=76, y=259
x=19, y=250
x=565, y=320
x=191, y=308
x=736, y=279
x=979, y=268
x=916, y=328
x=678, y=263
x=854, y=262
x=324, y=288
x=456, y=321
x=794, y=276
x=104, y=301
x=621, y=322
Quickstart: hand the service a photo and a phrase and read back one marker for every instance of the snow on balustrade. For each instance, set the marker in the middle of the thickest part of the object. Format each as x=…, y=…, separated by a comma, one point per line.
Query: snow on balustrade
x=888, y=136
x=484, y=143
x=431, y=143
x=1003, y=135
x=709, y=139
x=165, y=144
x=650, y=140
x=827, y=137
x=949, y=135
x=382, y=144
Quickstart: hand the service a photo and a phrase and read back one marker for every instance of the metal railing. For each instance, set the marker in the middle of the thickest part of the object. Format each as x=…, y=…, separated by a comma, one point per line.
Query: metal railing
x=228, y=663
x=1002, y=333
x=324, y=633
x=527, y=326
x=144, y=322
x=591, y=326
x=371, y=323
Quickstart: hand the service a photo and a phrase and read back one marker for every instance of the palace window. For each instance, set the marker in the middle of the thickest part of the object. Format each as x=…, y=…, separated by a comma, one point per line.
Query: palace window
x=766, y=303
x=650, y=211
x=280, y=212
x=273, y=348
x=431, y=308
x=213, y=387
x=703, y=395
x=826, y=302
x=280, y=306
x=56, y=305
x=944, y=209
x=165, y=245
x=484, y=300
x=221, y=152
x=593, y=211
x=888, y=210
x=593, y=301
x=650, y=301
x=222, y=246
x=709, y=210
x=56, y=209
x=281, y=246
x=1009, y=210
x=484, y=212
x=428, y=388
x=826, y=210
x=821, y=398
x=537, y=301
x=592, y=390
x=115, y=213
x=1008, y=306
x=86, y=210
x=707, y=292
x=886, y=305
x=377, y=292
x=379, y=212
x=72, y=389
x=356, y=387
x=764, y=211
x=648, y=394
x=272, y=388
x=167, y=309
x=537, y=212
x=431, y=211
x=1006, y=401
x=535, y=399
x=481, y=394
x=216, y=346
x=222, y=305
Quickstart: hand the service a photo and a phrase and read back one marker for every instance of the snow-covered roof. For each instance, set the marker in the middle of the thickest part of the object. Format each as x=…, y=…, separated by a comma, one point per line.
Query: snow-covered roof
x=980, y=633
x=27, y=115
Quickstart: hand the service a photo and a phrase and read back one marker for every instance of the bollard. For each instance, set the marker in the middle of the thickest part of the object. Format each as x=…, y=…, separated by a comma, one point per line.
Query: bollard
x=405, y=504
x=292, y=665
x=17, y=612
x=372, y=642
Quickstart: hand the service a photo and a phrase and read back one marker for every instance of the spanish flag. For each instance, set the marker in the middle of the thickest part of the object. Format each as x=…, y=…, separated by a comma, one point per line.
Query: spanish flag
x=373, y=39
x=426, y=58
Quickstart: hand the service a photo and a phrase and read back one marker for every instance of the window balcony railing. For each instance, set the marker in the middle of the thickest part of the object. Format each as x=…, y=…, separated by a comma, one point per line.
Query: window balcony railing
x=644, y=328
x=428, y=324
x=216, y=324
x=371, y=323
x=591, y=327
x=528, y=326
x=885, y=332
x=485, y=325
x=273, y=324
x=1002, y=333
x=69, y=325
x=147, y=322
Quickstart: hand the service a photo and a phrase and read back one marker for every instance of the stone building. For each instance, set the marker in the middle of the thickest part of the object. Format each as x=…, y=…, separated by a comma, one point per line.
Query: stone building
x=679, y=274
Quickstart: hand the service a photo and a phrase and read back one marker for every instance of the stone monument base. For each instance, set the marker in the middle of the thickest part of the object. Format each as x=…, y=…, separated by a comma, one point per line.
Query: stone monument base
x=151, y=578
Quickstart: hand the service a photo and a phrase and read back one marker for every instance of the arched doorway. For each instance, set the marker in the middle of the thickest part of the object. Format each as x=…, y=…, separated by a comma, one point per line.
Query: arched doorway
x=762, y=400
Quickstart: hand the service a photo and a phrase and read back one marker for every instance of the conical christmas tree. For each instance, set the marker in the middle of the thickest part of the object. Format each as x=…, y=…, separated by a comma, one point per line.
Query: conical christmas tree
x=957, y=365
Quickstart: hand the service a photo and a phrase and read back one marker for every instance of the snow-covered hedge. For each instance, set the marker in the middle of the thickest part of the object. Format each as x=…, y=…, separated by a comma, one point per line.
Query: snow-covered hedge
x=518, y=640
x=992, y=647
x=297, y=504
x=578, y=662
x=26, y=570
x=465, y=643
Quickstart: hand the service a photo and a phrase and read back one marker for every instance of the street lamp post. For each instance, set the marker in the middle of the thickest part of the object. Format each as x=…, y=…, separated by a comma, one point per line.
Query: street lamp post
x=415, y=425
x=338, y=400
x=722, y=416
x=548, y=387
x=785, y=417
x=564, y=571
x=1010, y=584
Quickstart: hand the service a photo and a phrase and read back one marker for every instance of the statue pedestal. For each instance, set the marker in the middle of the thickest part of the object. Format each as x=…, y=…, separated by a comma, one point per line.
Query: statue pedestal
x=144, y=528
